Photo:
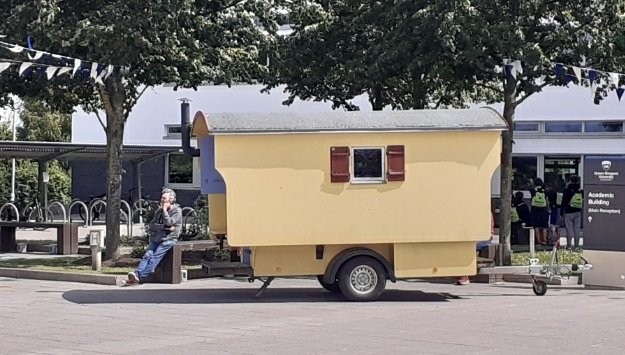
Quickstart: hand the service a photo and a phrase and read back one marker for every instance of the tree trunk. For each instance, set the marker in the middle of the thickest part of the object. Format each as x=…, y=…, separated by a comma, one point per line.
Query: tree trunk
x=377, y=98
x=113, y=97
x=506, y=168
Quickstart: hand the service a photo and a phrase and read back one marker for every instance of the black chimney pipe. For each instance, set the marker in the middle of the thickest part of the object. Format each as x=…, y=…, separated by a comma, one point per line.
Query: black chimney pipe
x=185, y=126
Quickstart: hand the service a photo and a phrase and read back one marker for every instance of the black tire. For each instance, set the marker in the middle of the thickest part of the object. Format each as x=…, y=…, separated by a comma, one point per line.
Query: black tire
x=539, y=287
x=362, y=278
x=334, y=287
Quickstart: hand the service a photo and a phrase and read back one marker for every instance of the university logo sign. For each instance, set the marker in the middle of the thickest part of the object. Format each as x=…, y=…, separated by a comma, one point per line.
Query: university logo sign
x=606, y=175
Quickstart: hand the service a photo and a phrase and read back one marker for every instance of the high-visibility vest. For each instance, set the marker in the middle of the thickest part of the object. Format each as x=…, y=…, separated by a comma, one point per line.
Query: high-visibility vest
x=539, y=200
x=577, y=201
x=514, y=215
x=559, y=196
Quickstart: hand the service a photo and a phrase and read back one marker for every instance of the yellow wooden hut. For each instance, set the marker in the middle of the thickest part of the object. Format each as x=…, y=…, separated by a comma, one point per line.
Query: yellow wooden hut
x=355, y=198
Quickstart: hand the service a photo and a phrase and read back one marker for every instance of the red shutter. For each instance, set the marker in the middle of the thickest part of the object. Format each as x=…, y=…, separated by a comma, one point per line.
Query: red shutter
x=339, y=164
x=395, y=154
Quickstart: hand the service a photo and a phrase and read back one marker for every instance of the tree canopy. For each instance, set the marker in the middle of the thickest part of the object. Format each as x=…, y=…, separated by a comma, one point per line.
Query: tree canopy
x=35, y=121
x=409, y=54
x=185, y=42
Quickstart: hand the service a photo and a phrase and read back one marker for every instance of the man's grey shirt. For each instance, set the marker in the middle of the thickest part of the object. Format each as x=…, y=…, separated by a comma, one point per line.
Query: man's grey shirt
x=171, y=218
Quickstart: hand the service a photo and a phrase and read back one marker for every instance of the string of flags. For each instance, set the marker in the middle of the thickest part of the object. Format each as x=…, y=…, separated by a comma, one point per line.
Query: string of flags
x=49, y=65
x=571, y=73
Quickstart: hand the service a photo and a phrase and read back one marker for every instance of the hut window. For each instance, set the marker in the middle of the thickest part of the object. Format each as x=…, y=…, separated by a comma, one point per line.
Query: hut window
x=367, y=165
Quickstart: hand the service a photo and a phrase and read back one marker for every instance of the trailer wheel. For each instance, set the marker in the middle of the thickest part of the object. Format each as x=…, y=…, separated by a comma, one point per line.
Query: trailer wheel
x=334, y=287
x=362, y=279
x=540, y=287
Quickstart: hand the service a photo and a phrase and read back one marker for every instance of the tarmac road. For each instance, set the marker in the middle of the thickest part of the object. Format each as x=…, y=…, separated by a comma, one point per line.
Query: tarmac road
x=295, y=316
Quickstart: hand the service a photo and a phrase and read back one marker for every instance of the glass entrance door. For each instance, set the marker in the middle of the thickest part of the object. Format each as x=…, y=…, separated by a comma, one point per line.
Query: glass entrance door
x=558, y=170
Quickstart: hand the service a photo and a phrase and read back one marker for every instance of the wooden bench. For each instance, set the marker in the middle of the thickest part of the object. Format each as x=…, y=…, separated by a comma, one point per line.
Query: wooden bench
x=66, y=235
x=169, y=269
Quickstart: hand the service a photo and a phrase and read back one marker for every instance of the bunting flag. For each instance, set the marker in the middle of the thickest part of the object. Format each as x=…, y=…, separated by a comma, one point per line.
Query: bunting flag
x=4, y=66
x=575, y=74
x=578, y=73
x=51, y=65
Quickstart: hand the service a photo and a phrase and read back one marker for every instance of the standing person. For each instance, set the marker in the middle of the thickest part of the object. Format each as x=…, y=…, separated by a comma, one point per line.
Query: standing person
x=540, y=211
x=573, y=202
x=164, y=229
x=464, y=280
x=520, y=217
x=555, y=196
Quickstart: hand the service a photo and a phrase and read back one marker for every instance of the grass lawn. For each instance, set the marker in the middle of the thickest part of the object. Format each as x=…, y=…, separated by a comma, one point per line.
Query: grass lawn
x=544, y=257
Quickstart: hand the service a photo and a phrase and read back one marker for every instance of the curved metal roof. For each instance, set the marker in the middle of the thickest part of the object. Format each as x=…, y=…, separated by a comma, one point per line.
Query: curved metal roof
x=343, y=121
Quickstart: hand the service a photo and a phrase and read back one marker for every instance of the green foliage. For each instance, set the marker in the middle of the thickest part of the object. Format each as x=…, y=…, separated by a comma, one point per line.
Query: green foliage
x=36, y=122
x=196, y=226
x=430, y=53
x=544, y=257
x=41, y=123
x=138, y=251
x=187, y=43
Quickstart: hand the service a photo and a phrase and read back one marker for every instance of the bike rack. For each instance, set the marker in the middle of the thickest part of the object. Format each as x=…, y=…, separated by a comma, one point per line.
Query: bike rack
x=128, y=216
x=9, y=204
x=83, y=206
x=97, y=201
x=190, y=212
x=59, y=205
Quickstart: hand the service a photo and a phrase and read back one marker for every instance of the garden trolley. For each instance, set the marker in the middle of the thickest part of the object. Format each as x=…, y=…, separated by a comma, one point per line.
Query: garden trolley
x=539, y=274
x=353, y=198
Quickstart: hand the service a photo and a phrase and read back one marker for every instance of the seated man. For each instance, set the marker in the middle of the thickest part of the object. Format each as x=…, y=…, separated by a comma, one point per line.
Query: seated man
x=164, y=229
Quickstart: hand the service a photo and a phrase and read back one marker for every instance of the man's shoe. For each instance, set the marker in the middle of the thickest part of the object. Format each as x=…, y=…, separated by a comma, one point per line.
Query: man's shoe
x=129, y=282
x=132, y=276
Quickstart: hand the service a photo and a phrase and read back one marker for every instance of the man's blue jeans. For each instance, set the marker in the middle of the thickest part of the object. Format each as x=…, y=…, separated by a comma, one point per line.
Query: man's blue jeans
x=153, y=255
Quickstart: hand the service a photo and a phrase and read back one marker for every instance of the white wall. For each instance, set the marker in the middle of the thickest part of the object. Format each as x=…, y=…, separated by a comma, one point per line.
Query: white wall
x=159, y=106
x=568, y=103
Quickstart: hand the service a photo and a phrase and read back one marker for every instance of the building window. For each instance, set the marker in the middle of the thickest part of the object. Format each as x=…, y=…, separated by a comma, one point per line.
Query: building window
x=360, y=165
x=603, y=127
x=180, y=169
x=368, y=164
x=526, y=127
x=173, y=131
x=524, y=170
x=563, y=127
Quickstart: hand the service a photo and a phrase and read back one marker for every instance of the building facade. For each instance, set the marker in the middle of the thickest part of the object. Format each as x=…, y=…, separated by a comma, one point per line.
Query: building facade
x=554, y=130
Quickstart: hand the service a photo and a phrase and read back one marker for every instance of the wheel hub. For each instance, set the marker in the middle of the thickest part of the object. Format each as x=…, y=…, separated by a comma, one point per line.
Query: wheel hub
x=363, y=279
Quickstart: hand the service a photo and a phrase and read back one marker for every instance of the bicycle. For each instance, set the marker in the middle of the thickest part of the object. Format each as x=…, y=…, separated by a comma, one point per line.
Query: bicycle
x=37, y=213
x=94, y=212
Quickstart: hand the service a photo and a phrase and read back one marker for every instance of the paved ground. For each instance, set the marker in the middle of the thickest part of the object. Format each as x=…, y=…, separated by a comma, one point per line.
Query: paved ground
x=297, y=317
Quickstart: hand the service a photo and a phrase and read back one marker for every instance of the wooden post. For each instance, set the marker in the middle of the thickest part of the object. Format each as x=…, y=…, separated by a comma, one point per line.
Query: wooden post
x=96, y=242
x=96, y=257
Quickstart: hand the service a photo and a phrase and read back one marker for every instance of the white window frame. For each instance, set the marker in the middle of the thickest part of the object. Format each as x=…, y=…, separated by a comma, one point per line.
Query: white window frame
x=368, y=180
x=195, y=179
x=169, y=135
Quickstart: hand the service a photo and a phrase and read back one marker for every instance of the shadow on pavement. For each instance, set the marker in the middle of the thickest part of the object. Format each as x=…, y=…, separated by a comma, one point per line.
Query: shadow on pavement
x=224, y=295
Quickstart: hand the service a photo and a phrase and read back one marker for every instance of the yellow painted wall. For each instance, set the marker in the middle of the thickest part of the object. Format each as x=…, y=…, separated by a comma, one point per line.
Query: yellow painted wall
x=217, y=213
x=300, y=259
x=409, y=260
x=279, y=189
x=435, y=259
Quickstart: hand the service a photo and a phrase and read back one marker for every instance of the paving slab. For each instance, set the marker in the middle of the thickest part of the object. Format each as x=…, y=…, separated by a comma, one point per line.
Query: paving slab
x=297, y=316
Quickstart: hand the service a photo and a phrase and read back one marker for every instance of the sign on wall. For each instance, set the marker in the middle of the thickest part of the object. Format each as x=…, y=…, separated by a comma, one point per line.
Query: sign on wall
x=604, y=203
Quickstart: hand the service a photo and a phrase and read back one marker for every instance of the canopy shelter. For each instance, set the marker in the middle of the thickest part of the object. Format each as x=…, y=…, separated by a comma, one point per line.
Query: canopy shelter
x=43, y=152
